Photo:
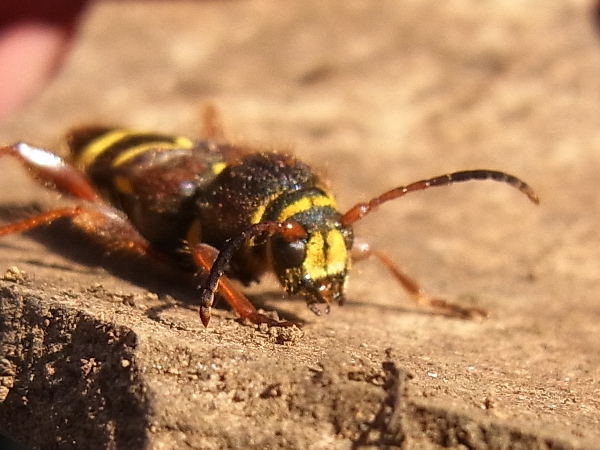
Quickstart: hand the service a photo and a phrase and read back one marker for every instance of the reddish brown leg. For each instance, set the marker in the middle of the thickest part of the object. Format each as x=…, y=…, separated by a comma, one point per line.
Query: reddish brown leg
x=212, y=126
x=363, y=251
x=114, y=231
x=212, y=130
x=93, y=215
x=96, y=219
x=50, y=170
x=204, y=256
x=39, y=220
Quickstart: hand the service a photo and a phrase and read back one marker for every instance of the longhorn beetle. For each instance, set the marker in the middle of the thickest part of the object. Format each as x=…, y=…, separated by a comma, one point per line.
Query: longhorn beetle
x=220, y=211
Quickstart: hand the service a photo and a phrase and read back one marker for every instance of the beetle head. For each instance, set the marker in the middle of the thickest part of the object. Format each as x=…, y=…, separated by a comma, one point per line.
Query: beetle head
x=314, y=267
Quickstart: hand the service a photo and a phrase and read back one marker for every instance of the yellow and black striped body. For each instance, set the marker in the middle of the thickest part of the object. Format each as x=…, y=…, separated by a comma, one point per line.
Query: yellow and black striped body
x=178, y=192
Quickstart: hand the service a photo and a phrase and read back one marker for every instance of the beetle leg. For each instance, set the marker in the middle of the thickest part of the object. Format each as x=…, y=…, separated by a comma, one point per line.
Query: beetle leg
x=204, y=256
x=96, y=219
x=38, y=220
x=113, y=230
x=362, y=251
x=50, y=170
x=212, y=125
x=93, y=215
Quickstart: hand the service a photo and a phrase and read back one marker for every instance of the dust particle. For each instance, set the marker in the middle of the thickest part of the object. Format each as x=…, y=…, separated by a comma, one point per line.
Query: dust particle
x=15, y=275
x=285, y=335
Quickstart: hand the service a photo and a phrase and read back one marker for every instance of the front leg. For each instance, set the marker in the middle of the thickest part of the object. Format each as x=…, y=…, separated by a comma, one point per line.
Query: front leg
x=204, y=256
x=362, y=251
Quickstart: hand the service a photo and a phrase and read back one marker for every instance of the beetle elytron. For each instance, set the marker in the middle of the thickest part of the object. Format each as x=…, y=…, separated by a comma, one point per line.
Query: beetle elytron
x=221, y=211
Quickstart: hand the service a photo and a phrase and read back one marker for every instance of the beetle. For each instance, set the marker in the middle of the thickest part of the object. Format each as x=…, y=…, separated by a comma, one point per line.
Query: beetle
x=221, y=211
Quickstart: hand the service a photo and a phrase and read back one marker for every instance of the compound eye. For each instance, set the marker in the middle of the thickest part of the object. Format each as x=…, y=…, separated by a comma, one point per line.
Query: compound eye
x=288, y=254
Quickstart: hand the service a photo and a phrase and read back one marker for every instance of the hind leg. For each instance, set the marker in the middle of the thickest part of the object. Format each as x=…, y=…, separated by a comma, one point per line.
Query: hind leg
x=51, y=171
x=92, y=215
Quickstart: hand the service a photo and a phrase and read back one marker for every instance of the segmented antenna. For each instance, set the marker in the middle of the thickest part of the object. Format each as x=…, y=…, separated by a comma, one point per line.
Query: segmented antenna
x=360, y=210
x=290, y=231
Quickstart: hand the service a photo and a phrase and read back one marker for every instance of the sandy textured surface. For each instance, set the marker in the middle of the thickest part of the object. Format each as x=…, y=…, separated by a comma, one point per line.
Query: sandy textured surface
x=109, y=352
